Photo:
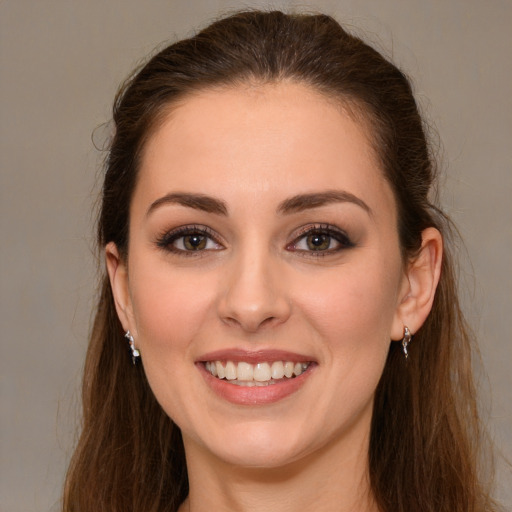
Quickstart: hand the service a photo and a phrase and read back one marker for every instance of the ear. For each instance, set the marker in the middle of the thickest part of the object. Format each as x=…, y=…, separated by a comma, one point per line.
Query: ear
x=118, y=275
x=420, y=282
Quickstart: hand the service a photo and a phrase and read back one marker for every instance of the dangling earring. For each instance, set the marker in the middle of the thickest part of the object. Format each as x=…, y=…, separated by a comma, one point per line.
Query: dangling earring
x=135, y=352
x=406, y=340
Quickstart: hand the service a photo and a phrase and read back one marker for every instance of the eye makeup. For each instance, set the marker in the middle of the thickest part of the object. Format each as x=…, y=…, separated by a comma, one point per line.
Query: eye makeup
x=311, y=240
x=189, y=240
x=319, y=240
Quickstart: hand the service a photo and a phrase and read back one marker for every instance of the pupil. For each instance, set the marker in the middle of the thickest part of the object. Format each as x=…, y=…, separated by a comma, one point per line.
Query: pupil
x=195, y=242
x=316, y=242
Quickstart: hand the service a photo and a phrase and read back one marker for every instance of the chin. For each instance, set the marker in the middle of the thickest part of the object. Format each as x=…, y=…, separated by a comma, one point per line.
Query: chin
x=257, y=445
x=256, y=456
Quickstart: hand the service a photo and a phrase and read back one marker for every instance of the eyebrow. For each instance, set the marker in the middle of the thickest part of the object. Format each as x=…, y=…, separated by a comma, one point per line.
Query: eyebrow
x=295, y=204
x=197, y=201
x=303, y=202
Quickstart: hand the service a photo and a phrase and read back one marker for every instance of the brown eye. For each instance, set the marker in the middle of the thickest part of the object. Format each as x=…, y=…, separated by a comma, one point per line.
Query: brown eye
x=194, y=242
x=321, y=240
x=318, y=242
x=188, y=240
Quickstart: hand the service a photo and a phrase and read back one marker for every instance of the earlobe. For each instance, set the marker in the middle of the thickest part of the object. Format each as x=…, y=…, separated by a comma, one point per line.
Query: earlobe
x=422, y=277
x=118, y=275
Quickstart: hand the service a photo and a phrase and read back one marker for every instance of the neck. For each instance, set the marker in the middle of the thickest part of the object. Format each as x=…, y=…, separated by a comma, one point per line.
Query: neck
x=335, y=478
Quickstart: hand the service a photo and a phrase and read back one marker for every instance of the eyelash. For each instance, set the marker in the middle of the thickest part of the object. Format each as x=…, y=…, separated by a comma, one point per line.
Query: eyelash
x=323, y=230
x=167, y=240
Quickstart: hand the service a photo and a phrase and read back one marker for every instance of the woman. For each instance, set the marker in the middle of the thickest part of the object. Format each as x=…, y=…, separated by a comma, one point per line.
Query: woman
x=282, y=283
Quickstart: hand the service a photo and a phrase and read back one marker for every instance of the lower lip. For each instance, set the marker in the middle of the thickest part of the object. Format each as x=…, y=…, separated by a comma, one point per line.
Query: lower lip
x=254, y=395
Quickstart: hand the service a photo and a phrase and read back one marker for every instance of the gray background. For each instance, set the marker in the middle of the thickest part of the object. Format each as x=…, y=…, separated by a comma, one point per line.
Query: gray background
x=61, y=62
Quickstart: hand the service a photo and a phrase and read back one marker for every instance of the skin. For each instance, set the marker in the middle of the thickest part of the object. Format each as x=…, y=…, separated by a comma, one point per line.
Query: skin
x=257, y=285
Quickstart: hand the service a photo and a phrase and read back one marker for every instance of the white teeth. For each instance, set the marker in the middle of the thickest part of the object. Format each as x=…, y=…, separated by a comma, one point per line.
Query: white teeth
x=245, y=371
x=230, y=370
x=220, y=370
x=288, y=369
x=252, y=383
x=259, y=374
x=277, y=370
x=262, y=372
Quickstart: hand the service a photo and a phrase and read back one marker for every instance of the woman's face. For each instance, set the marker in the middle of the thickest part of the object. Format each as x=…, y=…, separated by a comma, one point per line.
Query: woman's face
x=263, y=246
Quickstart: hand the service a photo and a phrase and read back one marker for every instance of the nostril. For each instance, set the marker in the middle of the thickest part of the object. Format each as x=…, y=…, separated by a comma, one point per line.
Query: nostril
x=268, y=320
x=252, y=298
x=250, y=324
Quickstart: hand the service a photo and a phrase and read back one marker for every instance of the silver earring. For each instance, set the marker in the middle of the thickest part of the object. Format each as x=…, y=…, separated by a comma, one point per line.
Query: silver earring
x=135, y=352
x=406, y=340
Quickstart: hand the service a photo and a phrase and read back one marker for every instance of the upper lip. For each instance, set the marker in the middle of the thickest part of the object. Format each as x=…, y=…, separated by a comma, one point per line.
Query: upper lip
x=254, y=356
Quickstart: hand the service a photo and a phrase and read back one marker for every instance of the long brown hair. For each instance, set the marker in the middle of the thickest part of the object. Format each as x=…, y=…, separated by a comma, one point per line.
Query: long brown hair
x=425, y=433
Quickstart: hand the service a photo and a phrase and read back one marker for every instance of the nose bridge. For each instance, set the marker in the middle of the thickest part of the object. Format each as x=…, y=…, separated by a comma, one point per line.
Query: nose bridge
x=253, y=294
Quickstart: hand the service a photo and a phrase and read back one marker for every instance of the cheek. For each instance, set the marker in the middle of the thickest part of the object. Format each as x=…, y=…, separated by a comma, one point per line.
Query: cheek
x=353, y=323
x=354, y=314
x=170, y=308
x=356, y=303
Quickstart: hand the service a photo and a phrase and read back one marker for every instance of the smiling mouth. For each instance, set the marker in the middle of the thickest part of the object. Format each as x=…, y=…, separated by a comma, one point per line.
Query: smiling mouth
x=260, y=374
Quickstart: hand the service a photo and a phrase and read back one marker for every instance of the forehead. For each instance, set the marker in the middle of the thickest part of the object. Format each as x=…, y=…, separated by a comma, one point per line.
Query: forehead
x=266, y=141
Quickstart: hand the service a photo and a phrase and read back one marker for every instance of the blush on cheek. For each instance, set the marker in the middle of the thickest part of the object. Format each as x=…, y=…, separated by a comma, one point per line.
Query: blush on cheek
x=354, y=305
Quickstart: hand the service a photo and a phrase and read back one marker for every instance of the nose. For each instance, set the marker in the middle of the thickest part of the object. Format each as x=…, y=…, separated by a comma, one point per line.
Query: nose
x=253, y=293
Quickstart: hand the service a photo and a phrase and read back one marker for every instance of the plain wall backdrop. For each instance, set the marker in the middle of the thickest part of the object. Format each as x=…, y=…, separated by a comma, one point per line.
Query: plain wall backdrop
x=61, y=63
